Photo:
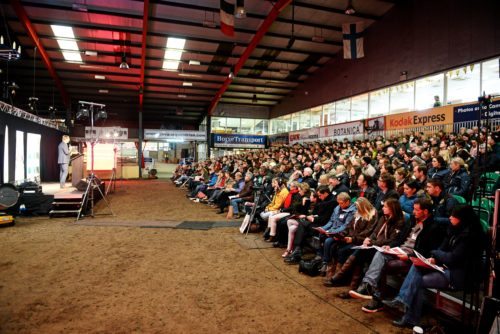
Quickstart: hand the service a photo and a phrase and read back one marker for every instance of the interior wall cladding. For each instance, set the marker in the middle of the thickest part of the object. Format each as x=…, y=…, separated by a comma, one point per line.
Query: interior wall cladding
x=421, y=37
x=49, y=169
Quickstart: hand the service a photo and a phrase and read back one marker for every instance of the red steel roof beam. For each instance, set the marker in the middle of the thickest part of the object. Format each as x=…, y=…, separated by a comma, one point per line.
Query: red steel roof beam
x=145, y=23
x=277, y=8
x=23, y=17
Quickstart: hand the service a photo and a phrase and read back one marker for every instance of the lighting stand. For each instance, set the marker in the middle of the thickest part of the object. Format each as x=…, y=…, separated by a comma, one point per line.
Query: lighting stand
x=92, y=183
x=112, y=179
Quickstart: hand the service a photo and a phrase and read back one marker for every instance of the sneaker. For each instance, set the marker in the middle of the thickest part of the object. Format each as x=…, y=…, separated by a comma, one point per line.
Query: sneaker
x=364, y=291
x=373, y=306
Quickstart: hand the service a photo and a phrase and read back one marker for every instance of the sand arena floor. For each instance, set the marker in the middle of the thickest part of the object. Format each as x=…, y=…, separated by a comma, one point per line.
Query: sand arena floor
x=102, y=276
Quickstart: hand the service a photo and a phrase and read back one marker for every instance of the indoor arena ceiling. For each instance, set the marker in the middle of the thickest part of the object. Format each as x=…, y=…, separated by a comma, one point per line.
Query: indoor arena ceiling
x=304, y=36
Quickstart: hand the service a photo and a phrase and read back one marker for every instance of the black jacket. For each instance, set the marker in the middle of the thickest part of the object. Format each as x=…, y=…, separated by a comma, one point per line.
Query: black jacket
x=370, y=194
x=458, y=183
x=310, y=181
x=429, y=238
x=323, y=210
x=382, y=197
x=441, y=208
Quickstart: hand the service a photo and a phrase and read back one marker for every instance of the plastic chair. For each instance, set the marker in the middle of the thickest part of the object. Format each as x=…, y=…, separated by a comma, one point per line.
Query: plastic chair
x=459, y=199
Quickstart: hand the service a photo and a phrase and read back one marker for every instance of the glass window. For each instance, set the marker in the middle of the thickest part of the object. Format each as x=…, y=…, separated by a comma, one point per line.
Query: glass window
x=329, y=110
x=6, y=156
x=232, y=125
x=402, y=97
x=427, y=89
x=316, y=116
x=19, y=171
x=305, y=119
x=379, y=102
x=295, y=121
x=491, y=77
x=359, y=107
x=261, y=126
x=247, y=126
x=281, y=124
x=343, y=111
x=218, y=124
x=33, y=157
x=463, y=84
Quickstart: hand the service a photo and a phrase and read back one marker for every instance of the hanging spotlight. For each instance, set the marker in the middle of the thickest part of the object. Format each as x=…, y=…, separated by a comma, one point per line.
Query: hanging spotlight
x=124, y=65
x=254, y=98
x=350, y=9
x=231, y=73
x=82, y=113
x=101, y=114
x=240, y=9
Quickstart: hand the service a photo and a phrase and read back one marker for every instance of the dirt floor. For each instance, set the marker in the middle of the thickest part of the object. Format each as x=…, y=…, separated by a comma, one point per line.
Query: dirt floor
x=99, y=276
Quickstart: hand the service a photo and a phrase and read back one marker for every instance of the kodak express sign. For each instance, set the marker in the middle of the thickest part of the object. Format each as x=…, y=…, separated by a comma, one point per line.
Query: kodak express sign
x=435, y=116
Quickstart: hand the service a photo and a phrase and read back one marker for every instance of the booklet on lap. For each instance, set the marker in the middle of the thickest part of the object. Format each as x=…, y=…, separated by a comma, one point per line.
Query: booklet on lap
x=391, y=251
x=421, y=261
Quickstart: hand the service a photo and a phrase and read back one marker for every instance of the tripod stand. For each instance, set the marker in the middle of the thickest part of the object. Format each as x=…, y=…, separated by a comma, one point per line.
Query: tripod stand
x=92, y=183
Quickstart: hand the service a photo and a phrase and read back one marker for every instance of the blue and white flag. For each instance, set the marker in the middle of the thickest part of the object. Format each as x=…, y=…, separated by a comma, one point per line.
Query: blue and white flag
x=353, y=40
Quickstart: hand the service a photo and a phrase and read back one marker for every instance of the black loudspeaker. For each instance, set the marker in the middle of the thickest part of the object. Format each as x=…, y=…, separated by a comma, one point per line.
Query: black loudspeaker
x=35, y=204
x=82, y=184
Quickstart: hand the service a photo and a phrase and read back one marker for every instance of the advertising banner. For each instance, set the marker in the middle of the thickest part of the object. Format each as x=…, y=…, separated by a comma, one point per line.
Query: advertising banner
x=238, y=141
x=177, y=135
x=278, y=140
x=106, y=132
x=350, y=130
x=417, y=119
x=470, y=112
x=303, y=136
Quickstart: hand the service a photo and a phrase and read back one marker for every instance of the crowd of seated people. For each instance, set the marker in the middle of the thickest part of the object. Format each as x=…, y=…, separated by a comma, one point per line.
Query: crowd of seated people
x=373, y=205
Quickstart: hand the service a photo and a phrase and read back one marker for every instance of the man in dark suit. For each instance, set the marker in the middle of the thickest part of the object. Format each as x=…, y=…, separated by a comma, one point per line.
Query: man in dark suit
x=63, y=159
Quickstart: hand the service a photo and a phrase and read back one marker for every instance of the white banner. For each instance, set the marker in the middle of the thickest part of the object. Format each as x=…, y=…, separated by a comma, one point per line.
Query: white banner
x=351, y=131
x=106, y=133
x=178, y=135
x=303, y=136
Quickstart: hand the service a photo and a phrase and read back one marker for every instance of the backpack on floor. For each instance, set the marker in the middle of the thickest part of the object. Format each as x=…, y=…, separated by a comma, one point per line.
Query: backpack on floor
x=310, y=267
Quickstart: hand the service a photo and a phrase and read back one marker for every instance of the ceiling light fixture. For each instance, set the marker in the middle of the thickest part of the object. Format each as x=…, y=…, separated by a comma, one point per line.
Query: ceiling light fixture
x=187, y=83
x=8, y=51
x=195, y=62
x=350, y=9
x=240, y=12
x=254, y=98
x=67, y=43
x=231, y=73
x=99, y=77
x=124, y=65
x=89, y=53
x=181, y=95
x=103, y=91
x=173, y=53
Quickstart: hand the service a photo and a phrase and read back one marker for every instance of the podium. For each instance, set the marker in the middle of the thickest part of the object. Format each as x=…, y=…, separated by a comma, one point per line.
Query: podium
x=77, y=169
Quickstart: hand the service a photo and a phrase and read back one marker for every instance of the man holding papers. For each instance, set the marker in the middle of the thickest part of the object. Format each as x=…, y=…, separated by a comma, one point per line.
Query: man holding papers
x=460, y=253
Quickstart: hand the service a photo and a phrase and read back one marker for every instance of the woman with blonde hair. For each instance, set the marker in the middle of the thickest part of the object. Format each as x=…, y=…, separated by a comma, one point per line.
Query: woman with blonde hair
x=323, y=180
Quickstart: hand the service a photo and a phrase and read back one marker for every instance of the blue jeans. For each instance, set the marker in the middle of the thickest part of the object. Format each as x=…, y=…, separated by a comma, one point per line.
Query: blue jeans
x=234, y=204
x=412, y=291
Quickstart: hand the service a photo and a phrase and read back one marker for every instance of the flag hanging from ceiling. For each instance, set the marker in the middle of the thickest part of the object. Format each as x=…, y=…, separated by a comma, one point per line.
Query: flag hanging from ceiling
x=227, y=18
x=353, y=40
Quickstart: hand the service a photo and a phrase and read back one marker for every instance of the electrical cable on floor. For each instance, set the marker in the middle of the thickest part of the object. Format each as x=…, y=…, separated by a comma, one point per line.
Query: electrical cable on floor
x=324, y=300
